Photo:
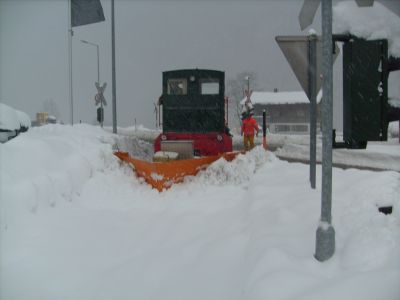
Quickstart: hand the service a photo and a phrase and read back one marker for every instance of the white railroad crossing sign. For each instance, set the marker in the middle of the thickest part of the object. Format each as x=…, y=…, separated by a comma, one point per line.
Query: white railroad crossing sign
x=248, y=95
x=248, y=106
x=99, y=97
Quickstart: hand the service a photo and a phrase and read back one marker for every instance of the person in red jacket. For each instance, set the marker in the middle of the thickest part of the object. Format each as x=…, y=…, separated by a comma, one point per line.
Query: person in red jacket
x=249, y=127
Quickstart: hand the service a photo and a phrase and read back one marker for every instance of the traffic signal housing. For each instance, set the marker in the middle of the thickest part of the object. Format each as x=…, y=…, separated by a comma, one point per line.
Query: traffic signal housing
x=365, y=91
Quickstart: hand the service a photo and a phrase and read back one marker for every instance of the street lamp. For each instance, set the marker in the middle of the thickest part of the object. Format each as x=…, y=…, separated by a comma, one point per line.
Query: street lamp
x=247, y=78
x=98, y=61
x=98, y=74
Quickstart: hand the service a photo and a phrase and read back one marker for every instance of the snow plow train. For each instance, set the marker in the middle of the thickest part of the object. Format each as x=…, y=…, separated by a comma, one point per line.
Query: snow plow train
x=193, y=114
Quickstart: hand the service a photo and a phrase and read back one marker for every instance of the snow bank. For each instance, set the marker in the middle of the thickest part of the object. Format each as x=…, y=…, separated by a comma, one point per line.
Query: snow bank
x=49, y=163
x=376, y=22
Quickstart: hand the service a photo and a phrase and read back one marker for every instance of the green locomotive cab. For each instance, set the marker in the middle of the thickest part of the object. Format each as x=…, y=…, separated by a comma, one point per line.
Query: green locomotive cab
x=194, y=109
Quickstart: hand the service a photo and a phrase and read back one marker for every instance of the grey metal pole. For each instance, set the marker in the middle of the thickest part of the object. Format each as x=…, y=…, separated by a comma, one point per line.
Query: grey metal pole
x=114, y=101
x=325, y=235
x=312, y=84
x=70, y=34
x=98, y=64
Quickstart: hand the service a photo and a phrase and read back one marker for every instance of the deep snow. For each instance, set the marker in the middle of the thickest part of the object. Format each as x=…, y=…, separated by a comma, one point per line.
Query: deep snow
x=76, y=224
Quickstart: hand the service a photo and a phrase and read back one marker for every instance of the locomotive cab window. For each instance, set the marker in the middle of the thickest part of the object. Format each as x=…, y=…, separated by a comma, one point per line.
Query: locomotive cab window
x=177, y=87
x=209, y=87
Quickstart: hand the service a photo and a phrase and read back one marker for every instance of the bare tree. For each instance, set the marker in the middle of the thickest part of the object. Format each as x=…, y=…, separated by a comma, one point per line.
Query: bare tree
x=50, y=106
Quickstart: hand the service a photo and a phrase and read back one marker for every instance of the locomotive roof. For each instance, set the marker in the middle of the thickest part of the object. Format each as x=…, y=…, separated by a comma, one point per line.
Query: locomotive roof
x=193, y=71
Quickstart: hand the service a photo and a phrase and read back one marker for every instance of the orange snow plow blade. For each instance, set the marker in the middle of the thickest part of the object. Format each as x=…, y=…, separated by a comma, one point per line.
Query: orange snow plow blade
x=161, y=175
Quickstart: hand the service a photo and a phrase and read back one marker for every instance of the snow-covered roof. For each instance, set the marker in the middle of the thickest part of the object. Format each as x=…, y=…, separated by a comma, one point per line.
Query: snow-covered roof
x=12, y=119
x=9, y=119
x=24, y=119
x=371, y=23
x=279, y=98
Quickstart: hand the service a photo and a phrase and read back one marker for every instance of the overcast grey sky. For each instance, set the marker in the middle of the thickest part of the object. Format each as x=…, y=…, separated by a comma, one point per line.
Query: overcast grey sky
x=151, y=37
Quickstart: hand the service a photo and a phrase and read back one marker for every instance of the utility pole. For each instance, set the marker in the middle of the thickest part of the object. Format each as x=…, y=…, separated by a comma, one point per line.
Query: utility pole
x=114, y=100
x=70, y=34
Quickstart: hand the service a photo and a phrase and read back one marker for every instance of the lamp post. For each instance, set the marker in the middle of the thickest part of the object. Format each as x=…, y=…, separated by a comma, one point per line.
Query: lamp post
x=98, y=61
x=247, y=78
x=98, y=73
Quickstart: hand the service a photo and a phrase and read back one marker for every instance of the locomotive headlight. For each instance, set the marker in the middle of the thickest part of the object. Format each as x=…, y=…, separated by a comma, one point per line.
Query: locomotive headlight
x=219, y=138
x=163, y=137
x=192, y=78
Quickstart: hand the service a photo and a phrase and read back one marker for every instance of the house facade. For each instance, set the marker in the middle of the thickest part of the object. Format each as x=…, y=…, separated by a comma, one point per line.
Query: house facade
x=286, y=112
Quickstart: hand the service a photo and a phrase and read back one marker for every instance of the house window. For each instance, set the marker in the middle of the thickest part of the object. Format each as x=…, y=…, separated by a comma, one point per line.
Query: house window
x=209, y=87
x=177, y=87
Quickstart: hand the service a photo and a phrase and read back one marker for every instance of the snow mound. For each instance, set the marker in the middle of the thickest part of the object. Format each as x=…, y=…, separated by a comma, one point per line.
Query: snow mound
x=64, y=159
x=135, y=147
x=237, y=172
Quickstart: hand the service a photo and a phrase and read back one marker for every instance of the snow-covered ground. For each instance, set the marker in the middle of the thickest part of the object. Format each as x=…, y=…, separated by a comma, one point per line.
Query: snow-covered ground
x=76, y=224
x=377, y=156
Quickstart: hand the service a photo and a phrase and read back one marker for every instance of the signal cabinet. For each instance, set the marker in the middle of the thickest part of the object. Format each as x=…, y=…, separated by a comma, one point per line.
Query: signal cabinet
x=365, y=98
